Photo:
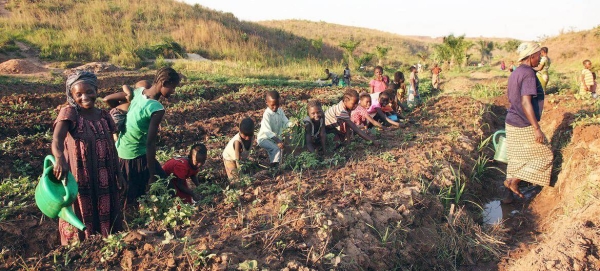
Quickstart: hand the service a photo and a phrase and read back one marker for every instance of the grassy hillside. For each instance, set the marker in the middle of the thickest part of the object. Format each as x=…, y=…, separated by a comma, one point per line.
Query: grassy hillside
x=568, y=50
x=402, y=49
x=127, y=31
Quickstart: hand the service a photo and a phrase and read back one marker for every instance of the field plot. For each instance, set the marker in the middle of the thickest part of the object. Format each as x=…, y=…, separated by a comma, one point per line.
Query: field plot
x=413, y=203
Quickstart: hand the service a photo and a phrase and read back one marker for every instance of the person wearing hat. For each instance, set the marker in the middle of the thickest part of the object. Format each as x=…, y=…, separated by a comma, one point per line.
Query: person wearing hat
x=82, y=144
x=529, y=154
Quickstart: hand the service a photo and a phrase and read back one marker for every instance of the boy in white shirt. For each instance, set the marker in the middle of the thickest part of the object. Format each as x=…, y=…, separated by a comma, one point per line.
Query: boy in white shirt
x=273, y=123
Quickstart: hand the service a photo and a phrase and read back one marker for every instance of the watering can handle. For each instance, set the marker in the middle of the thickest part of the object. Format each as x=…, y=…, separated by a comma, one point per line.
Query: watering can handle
x=496, y=136
x=50, y=161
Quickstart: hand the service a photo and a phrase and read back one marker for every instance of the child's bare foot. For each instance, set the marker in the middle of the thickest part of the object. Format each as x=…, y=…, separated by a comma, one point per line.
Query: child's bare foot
x=512, y=185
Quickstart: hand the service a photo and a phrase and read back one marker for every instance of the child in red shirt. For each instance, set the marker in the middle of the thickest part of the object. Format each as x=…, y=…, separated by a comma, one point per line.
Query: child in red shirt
x=183, y=168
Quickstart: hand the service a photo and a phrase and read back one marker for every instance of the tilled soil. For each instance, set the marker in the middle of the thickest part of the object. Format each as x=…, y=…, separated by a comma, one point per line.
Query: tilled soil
x=374, y=207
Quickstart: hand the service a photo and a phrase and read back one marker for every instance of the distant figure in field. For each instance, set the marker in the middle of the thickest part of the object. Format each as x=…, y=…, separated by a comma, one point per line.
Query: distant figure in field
x=588, y=79
x=512, y=66
x=435, y=76
x=377, y=84
x=502, y=65
x=347, y=75
x=528, y=150
x=413, y=90
x=331, y=76
x=542, y=69
x=399, y=87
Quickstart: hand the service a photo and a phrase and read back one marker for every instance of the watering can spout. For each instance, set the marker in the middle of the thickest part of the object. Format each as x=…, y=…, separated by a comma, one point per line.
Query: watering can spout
x=66, y=214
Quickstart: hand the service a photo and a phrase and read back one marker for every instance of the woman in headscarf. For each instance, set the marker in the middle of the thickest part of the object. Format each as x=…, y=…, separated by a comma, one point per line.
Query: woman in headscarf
x=529, y=154
x=83, y=144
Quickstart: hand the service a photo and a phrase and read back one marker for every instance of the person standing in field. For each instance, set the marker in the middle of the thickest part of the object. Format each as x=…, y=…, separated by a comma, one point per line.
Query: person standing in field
x=529, y=153
x=413, y=90
x=82, y=144
x=137, y=143
x=347, y=75
x=435, y=76
x=377, y=84
x=512, y=66
x=542, y=68
x=588, y=82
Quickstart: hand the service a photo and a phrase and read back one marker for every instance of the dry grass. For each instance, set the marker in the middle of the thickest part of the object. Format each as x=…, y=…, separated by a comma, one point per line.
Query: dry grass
x=126, y=30
x=568, y=50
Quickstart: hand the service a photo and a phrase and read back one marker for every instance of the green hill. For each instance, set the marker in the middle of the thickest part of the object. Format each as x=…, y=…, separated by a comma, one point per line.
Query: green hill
x=402, y=49
x=126, y=32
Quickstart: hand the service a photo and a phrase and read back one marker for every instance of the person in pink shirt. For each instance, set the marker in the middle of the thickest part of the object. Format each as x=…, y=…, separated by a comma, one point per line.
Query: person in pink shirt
x=377, y=84
x=379, y=101
x=360, y=116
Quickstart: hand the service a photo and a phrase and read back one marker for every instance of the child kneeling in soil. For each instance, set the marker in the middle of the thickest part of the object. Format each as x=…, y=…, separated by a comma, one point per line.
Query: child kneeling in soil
x=380, y=108
x=360, y=116
x=119, y=102
x=237, y=147
x=183, y=168
x=337, y=119
x=314, y=127
x=273, y=123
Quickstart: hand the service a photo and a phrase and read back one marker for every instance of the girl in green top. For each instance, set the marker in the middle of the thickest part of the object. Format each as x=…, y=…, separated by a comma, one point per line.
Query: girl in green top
x=136, y=145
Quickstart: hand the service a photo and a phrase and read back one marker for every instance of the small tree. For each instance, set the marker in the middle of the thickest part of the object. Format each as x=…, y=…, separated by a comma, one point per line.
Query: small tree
x=350, y=46
x=317, y=44
x=365, y=59
x=485, y=48
x=381, y=53
x=423, y=56
x=511, y=45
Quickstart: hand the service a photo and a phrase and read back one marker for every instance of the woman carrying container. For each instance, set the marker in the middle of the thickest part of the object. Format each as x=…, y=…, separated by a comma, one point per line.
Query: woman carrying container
x=83, y=144
x=528, y=150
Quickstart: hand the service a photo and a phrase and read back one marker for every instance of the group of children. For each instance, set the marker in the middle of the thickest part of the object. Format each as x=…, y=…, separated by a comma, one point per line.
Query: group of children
x=354, y=114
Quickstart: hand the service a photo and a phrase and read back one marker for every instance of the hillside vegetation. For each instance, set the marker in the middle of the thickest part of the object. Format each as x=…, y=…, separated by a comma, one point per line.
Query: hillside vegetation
x=402, y=50
x=128, y=31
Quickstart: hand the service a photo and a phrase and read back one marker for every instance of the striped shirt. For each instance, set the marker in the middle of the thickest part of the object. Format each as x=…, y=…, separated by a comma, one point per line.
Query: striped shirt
x=335, y=113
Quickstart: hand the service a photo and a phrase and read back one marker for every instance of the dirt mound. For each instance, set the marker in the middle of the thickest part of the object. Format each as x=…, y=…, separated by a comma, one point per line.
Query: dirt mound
x=95, y=67
x=20, y=66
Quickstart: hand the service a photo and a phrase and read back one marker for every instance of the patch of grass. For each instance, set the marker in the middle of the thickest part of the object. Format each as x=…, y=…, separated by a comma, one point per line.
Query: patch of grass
x=480, y=91
x=17, y=194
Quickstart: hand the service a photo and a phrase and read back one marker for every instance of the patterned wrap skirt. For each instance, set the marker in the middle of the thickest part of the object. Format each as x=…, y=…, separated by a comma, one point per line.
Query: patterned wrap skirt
x=527, y=160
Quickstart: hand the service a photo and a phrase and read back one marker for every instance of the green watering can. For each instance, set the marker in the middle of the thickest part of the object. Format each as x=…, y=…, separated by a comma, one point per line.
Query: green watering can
x=499, y=139
x=55, y=198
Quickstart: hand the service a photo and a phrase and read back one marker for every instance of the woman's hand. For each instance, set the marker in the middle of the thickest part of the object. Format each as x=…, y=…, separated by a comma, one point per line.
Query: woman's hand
x=539, y=135
x=61, y=168
x=121, y=182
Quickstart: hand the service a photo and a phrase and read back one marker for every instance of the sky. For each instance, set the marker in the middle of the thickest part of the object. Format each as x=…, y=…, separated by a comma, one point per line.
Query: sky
x=519, y=19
